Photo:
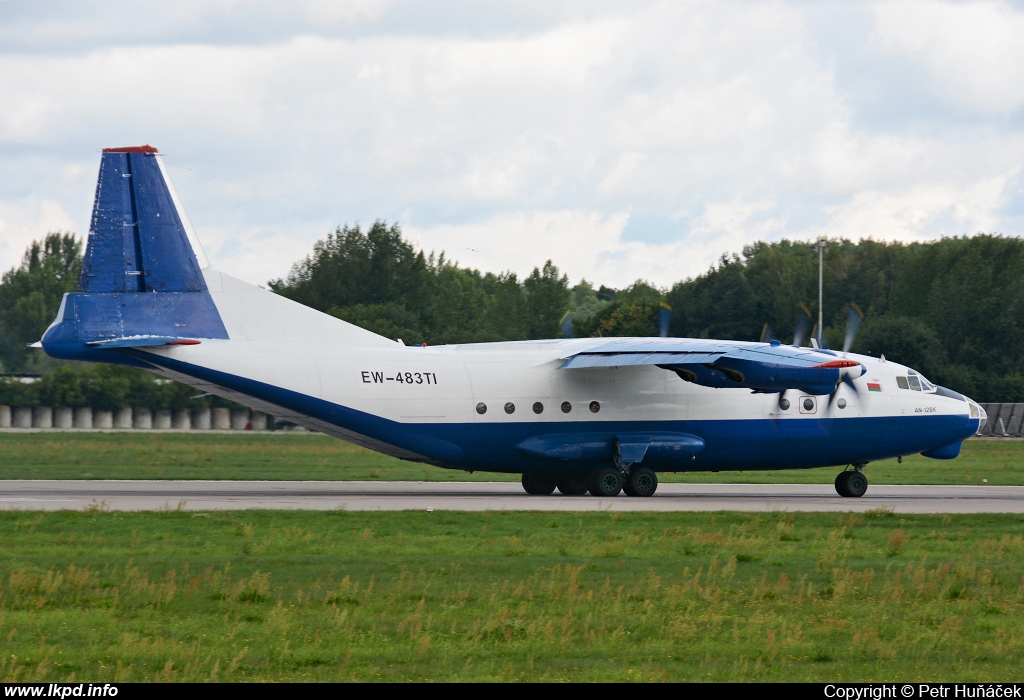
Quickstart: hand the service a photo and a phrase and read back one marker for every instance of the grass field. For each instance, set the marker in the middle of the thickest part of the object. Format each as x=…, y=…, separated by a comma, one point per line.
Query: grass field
x=317, y=457
x=263, y=595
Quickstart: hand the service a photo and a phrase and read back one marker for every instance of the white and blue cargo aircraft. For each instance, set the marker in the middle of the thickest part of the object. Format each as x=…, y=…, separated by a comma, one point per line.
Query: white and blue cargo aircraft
x=593, y=415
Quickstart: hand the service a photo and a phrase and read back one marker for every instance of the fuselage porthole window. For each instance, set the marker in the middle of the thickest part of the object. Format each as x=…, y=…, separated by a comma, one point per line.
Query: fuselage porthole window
x=510, y=408
x=901, y=382
x=915, y=383
x=595, y=407
x=784, y=404
x=481, y=408
x=566, y=407
x=538, y=407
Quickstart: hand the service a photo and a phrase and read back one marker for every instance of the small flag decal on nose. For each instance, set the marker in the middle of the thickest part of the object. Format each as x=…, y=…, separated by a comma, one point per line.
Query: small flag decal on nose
x=874, y=387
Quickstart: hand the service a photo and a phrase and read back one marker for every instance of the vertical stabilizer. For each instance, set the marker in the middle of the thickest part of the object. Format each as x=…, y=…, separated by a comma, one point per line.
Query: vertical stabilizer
x=138, y=242
x=142, y=283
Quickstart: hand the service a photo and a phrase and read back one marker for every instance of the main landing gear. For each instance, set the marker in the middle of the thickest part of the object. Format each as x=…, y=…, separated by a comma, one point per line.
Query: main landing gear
x=605, y=482
x=852, y=484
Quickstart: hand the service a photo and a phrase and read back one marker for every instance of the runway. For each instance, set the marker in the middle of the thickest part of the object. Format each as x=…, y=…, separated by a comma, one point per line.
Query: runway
x=440, y=496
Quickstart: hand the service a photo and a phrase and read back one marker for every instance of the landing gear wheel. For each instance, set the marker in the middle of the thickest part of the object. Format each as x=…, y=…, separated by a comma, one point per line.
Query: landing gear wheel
x=606, y=482
x=538, y=484
x=857, y=484
x=851, y=484
x=841, y=484
x=641, y=482
x=573, y=484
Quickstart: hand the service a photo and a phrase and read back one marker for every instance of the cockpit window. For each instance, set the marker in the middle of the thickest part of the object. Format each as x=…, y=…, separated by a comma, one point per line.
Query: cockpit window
x=914, y=382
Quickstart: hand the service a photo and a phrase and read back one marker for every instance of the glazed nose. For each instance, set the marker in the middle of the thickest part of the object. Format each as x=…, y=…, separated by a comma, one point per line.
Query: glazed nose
x=978, y=412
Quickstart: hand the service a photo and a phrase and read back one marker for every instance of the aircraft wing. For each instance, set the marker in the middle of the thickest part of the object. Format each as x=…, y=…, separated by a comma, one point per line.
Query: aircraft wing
x=765, y=367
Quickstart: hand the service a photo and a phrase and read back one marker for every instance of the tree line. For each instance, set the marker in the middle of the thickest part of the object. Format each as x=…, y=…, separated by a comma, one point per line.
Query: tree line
x=952, y=308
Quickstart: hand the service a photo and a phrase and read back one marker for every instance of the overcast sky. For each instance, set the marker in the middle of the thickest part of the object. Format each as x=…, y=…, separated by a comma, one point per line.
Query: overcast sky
x=622, y=140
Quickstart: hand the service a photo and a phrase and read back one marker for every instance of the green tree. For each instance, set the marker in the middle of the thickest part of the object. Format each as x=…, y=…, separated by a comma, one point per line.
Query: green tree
x=391, y=320
x=633, y=312
x=547, y=301
x=351, y=267
x=62, y=387
x=30, y=295
x=718, y=304
x=905, y=340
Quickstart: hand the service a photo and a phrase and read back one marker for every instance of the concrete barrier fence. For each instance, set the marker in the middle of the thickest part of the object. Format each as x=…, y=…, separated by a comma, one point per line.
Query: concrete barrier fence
x=162, y=419
x=182, y=420
x=5, y=416
x=221, y=419
x=83, y=418
x=103, y=419
x=142, y=419
x=63, y=417
x=22, y=417
x=201, y=419
x=123, y=418
x=1004, y=420
x=239, y=418
x=42, y=417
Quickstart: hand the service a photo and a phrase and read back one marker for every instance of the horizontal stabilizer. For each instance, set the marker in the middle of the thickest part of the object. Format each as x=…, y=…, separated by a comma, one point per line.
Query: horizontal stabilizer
x=142, y=341
x=88, y=322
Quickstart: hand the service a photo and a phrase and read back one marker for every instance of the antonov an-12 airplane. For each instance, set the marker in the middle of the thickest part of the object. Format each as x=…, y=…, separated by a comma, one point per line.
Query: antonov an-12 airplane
x=595, y=415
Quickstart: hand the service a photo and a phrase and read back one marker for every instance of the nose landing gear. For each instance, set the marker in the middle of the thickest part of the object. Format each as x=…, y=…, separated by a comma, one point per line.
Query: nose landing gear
x=852, y=484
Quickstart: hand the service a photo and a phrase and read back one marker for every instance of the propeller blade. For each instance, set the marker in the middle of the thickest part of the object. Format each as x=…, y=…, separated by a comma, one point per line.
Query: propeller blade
x=852, y=325
x=566, y=325
x=767, y=334
x=802, y=322
x=850, y=381
x=664, y=316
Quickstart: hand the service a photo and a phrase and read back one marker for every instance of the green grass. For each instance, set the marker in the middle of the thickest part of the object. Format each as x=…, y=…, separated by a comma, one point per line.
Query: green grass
x=264, y=595
x=317, y=457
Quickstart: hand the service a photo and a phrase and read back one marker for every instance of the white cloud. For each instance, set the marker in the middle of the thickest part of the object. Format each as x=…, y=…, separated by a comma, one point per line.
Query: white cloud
x=924, y=212
x=541, y=139
x=974, y=51
x=20, y=224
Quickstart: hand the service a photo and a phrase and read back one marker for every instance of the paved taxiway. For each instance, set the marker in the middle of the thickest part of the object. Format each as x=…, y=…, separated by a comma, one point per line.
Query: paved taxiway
x=406, y=495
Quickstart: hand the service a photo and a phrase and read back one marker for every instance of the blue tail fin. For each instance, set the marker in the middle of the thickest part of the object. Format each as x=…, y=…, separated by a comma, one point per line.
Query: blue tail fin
x=142, y=283
x=137, y=241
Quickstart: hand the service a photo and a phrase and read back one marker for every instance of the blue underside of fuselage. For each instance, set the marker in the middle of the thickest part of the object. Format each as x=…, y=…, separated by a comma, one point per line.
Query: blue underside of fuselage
x=792, y=443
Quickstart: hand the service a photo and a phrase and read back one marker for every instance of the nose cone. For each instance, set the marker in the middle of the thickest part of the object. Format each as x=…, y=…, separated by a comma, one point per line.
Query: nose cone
x=976, y=413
